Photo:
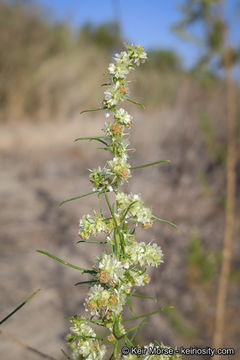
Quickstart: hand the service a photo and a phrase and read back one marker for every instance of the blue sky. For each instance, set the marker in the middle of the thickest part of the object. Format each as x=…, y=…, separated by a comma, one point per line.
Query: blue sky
x=147, y=22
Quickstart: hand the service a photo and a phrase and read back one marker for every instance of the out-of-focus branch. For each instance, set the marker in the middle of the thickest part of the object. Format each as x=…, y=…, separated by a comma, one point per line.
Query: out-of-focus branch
x=230, y=199
x=25, y=346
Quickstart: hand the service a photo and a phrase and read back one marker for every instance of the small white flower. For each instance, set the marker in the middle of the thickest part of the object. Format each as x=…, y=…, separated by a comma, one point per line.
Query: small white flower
x=92, y=225
x=145, y=254
x=119, y=71
x=122, y=117
x=112, y=266
x=123, y=58
x=115, y=93
x=134, y=208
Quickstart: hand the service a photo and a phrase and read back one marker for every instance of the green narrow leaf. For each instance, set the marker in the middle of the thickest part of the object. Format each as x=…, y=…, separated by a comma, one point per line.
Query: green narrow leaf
x=148, y=314
x=149, y=164
x=92, y=241
x=90, y=337
x=130, y=306
x=85, y=282
x=77, y=197
x=19, y=307
x=97, y=138
x=103, y=148
x=166, y=222
x=143, y=322
x=128, y=208
x=136, y=103
x=96, y=109
x=64, y=262
x=158, y=343
x=144, y=297
x=136, y=328
x=65, y=354
x=128, y=342
x=85, y=319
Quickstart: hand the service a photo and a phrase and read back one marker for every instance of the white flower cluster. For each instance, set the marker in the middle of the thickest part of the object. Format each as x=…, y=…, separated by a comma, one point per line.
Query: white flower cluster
x=112, y=267
x=132, y=207
x=103, y=302
x=92, y=225
x=115, y=94
x=83, y=342
x=122, y=117
x=125, y=61
x=116, y=171
x=114, y=174
x=117, y=145
x=143, y=254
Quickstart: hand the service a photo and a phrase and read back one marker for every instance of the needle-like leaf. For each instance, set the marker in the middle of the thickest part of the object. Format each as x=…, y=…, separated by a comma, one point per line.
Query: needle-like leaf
x=65, y=354
x=97, y=138
x=128, y=208
x=19, y=306
x=148, y=314
x=65, y=262
x=136, y=103
x=149, y=164
x=89, y=110
x=92, y=241
x=166, y=222
x=143, y=322
x=77, y=197
x=144, y=297
x=85, y=282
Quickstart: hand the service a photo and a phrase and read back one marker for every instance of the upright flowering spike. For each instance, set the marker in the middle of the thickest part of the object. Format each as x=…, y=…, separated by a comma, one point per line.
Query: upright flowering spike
x=123, y=265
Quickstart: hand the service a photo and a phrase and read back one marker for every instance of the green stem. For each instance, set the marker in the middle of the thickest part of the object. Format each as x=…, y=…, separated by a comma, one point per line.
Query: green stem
x=115, y=223
x=115, y=350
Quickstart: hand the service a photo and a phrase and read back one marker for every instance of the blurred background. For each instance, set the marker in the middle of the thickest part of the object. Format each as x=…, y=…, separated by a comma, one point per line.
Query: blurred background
x=53, y=58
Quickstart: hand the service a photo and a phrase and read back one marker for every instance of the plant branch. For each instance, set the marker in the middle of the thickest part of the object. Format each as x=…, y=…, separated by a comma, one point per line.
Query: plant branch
x=25, y=346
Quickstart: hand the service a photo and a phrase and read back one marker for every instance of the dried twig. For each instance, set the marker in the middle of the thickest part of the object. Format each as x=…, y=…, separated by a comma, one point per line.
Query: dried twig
x=25, y=346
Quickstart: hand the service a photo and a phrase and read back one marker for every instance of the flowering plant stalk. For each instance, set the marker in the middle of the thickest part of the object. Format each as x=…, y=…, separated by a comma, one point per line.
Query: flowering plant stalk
x=123, y=265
